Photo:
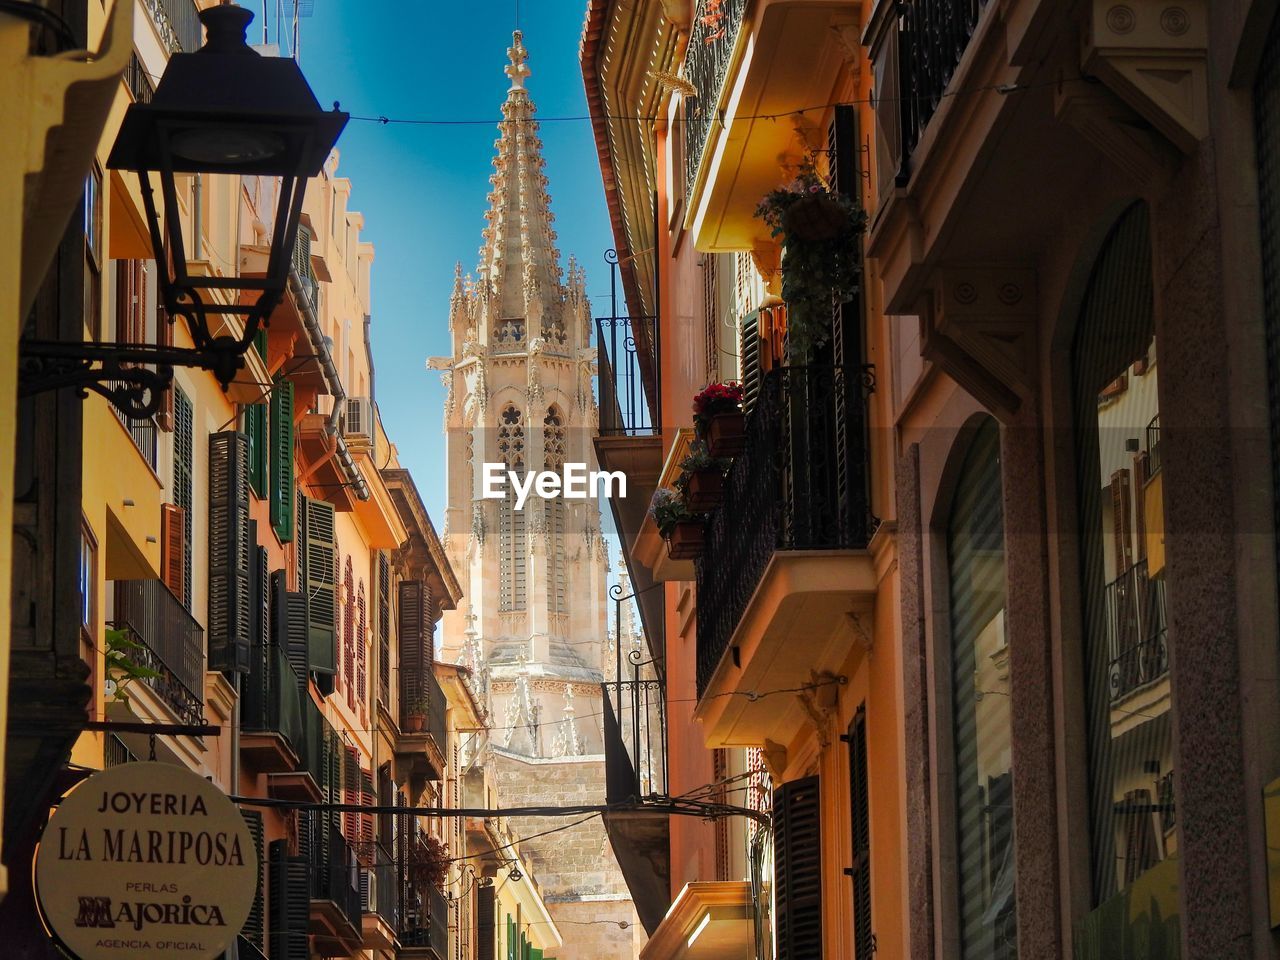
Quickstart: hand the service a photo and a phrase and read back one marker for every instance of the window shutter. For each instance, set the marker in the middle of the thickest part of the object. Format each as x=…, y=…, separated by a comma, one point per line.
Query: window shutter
x=164, y=338
x=183, y=452
x=290, y=903
x=297, y=647
x=1122, y=520
x=797, y=858
x=318, y=584
x=863, y=939
x=362, y=647
x=412, y=630
x=254, y=927
x=749, y=354
x=486, y=924
x=384, y=629
x=255, y=428
x=229, y=552
x=281, y=465
x=173, y=526
x=367, y=799
x=350, y=793
x=349, y=635
x=259, y=591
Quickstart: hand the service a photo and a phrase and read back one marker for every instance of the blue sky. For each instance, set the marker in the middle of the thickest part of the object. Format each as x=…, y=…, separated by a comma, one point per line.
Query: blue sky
x=422, y=189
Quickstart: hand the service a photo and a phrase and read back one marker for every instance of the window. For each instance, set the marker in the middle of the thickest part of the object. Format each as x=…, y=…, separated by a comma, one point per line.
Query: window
x=93, y=253
x=553, y=446
x=981, y=725
x=183, y=469
x=1126, y=657
x=711, y=314
x=131, y=301
x=513, y=540
x=88, y=579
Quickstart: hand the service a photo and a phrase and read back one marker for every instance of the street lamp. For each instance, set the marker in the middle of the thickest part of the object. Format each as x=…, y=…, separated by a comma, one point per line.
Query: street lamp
x=224, y=109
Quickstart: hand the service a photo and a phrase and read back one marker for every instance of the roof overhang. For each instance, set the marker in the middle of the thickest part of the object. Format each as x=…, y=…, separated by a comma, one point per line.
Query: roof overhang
x=422, y=551
x=709, y=920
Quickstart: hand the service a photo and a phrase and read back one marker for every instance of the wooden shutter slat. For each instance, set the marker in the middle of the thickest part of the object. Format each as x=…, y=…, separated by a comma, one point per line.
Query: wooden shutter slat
x=281, y=460
x=254, y=927
x=798, y=870
x=319, y=585
x=362, y=648
x=863, y=938
x=173, y=525
x=486, y=924
x=290, y=906
x=412, y=630
x=229, y=552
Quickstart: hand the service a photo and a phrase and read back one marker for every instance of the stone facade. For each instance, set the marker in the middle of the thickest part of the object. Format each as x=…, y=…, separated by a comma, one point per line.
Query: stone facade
x=533, y=628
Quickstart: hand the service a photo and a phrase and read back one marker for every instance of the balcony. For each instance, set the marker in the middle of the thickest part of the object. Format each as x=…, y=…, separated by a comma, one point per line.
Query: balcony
x=1135, y=632
x=744, y=72
x=141, y=432
x=426, y=932
x=336, y=906
x=635, y=763
x=309, y=742
x=170, y=642
x=272, y=738
x=420, y=749
x=786, y=580
x=380, y=898
x=178, y=24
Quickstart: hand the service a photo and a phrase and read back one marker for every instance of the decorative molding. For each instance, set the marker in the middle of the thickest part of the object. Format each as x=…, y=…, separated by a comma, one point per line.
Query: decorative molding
x=1154, y=55
x=774, y=756
x=980, y=327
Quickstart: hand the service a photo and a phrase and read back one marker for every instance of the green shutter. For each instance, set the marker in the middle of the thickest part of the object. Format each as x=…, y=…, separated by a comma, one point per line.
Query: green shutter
x=255, y=428
x=282, y=459
x=229, y=553
x=511, y=939
x=319, y=582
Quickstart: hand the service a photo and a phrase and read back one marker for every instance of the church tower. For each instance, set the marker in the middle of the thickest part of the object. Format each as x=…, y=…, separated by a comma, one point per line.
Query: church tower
x=532, y=626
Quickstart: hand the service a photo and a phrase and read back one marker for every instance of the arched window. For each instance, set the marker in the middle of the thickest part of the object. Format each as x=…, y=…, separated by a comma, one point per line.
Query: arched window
x=349, y=634
x=553, y=446
x=513, y=540
x=1127, y=672
x=980, y=705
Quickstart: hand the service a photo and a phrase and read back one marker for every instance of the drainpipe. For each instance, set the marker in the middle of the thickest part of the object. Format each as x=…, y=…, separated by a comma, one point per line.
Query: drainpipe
x=332, y=427
x=197, y=219
x=368, y=352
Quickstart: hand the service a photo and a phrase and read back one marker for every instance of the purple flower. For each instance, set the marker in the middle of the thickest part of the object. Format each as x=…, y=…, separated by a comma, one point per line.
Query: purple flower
x=814, y=188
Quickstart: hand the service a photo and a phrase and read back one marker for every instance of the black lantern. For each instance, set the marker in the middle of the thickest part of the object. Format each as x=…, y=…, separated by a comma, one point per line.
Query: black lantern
x=224, y=109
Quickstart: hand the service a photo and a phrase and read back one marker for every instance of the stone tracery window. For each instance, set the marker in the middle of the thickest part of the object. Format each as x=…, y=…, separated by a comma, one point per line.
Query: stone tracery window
x=553, y=449
x=513, y=540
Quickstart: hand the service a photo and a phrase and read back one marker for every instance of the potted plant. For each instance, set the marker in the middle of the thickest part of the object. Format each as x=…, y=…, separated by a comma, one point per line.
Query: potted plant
x=684, y=531
x=428, y=862
x=718, y=417
x=702, y=478
x=821, y=233
x=121, y=668
x=415, y=716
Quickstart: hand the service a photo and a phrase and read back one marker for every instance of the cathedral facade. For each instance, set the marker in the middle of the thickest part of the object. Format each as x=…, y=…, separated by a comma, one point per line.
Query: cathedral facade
x=533, y=627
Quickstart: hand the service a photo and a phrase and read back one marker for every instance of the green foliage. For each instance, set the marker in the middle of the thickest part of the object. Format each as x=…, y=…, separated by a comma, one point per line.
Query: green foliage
x=121, y=668
x=698, y=461
x=667, y=509
x=821, y=231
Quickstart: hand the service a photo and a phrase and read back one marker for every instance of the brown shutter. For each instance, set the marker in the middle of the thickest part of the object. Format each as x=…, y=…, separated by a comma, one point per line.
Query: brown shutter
x=367, y=798
x=863, y=938
x=797, y=858
x=173, y=525
x=384, y=629
x=164, y=338
x=1122, y=520
x=351, y=794
x=362, y=648
x=413, y=638
x=486, y=924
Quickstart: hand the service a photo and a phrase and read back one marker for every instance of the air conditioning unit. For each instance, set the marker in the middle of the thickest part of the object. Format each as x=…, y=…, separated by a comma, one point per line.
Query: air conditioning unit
x=369, y=890
x=358, y=426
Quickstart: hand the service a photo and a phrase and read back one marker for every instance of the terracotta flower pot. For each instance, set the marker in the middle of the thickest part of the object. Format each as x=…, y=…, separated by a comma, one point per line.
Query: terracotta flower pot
x=705, y=490
x=686, y=540
x=815, y=217
x=415, y=723
x=726, y=434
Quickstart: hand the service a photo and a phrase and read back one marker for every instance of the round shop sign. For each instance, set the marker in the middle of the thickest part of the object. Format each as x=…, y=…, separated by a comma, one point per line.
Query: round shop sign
x=146, y=860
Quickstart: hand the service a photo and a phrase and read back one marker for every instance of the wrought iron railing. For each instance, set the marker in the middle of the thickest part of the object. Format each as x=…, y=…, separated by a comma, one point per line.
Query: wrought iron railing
x=379, y=887
x=171, y=643
x=143, y=434
x=635, y=744
x=627, y=406
x=334, y=870
x=1153, y=446
x=421, y=695
x=138, y=80
x=272, y=696
x=427, y=921
x=801, y=483
x=178, y=23
x=1136, y=628
x=716, y=25
x=115, y=753
x=913, y=68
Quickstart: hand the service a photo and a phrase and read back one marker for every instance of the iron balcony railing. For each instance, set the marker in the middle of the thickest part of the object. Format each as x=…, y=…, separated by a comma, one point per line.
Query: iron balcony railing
x=635, y=740
x=171, y=643
x=272, y=696
x=1136, y=630
x=801, y=483
x=335, y=872
x=178, y=23
x=427, y=921
x=716, y=25
x=115, y=753
x=418, y=684
x=142, y=432
x=1153, y=446
x=628, y=346
x=914, y=64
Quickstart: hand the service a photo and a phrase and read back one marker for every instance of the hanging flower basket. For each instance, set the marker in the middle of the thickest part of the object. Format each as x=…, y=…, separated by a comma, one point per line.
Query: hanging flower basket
x=686, y=540
x=817, y=217
x=727, y=434
x=713, y=399
x=704, y=490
